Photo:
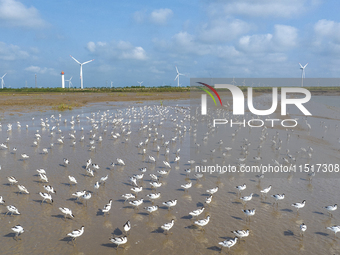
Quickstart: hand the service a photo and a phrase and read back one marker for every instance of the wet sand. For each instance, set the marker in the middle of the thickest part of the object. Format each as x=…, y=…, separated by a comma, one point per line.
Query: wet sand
x=274, y=229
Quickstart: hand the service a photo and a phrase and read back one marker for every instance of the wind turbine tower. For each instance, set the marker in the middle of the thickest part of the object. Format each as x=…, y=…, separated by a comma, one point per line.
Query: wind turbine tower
x=69, y=82
x=303, y=75
x=177, y=76
x=2, y=81
x=81, y=70
x=62, y=80
x=140, y=83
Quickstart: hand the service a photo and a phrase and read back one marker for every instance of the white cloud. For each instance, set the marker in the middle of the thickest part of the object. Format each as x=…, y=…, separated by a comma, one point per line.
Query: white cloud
x=284, y=38
x=91, y=46
x=264, y=8
x=44, y=70
x=117, y=50
x=161, y=16
x=11, y=52
x=327, y=29
x=14, y=13
x=223, y=30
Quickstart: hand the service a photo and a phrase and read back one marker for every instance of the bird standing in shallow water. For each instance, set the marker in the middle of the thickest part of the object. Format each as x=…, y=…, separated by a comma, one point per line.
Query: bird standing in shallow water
x=66, y=211
x=228, y=243
x=76, y=233
x=303, y=228
x=127, y=226
x=18, y=230
x=167, y=226
x=119, y=240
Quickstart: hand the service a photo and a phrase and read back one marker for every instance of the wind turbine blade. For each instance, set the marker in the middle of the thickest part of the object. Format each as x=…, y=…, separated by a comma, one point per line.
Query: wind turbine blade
x=87, y=62
x=176, y=77
x=71, y=78
x=176, y=69
x=301, y=66
x=75, y=60
x=3, y=76
x=305, y=66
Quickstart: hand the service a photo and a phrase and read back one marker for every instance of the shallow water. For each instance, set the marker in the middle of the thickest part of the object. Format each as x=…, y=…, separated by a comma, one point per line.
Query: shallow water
x=274, y=230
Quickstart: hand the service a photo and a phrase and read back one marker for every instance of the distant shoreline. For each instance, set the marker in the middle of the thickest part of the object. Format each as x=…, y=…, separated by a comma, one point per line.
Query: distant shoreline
x=14, y=101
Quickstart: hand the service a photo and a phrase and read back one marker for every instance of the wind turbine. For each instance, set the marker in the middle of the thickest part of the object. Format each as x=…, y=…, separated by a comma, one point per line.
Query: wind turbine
x=303, y=73
x=140, y=83
x=111, y=83
x=177, y=77
x=2, y=81
x=81, y=70
x=69, y=82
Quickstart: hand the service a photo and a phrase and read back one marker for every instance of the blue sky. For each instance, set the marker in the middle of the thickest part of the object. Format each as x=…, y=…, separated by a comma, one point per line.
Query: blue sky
x=144, y=40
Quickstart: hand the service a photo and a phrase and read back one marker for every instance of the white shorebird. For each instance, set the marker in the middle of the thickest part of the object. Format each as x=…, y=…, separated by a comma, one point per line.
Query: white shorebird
x=2, y=201
x=303, y=228
x=43, y=178
x=72, y=179
x=12, y=209
x=24, y=156
x=241, y=233
x=331, y=208
x=128, y=196
x=136, y=203
x=155, y=184
x=46, y=196
x=76, y=233
x=187, y=186
x=119, y=240
x=127, y=226
x=249, y=212
x=196, y=212
x=167, y=226
x=247, y=198
x=153, y=196
x=49, y=189
x=41, y=171
x=151, y=209
x=12, y=180
x=278, y=197
x=137, y=189
x=208, y=199
x=212, y=191
x=66, y=211
x=86, y=196
x=170, y=203
x=266, y=190
x=18, y=230
x=121, y=162
x=228, y=243
x=299, y=205
x=241, y=187
x=66, y=161
x=107, y=207
x=202, y=222
x=78, y=194
x=104, y=179
x=23, y=189
x=334, y=228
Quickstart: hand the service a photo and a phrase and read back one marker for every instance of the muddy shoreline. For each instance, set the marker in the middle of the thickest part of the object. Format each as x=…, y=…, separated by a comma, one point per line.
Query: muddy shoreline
x=12, y=103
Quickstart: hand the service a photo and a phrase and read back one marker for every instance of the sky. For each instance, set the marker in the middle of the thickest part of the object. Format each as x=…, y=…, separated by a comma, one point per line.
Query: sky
x=133, y=41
